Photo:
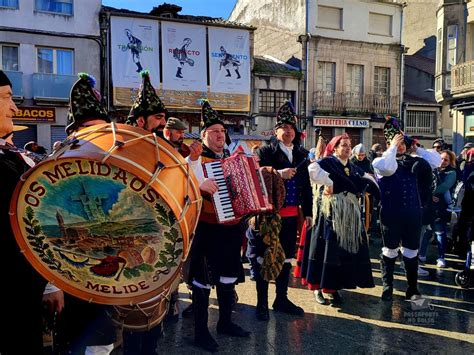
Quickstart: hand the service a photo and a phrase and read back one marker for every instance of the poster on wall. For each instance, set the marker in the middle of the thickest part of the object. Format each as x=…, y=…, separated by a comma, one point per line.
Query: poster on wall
x=229, y=66
x=184, y=64
x=135, y=47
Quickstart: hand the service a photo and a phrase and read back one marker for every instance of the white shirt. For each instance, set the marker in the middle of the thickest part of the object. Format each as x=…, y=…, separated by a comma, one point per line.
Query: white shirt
x=288, y=151
x=386, y=165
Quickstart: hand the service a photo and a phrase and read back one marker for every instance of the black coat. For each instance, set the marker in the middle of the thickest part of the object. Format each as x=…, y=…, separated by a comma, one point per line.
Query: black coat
x=21, y=295
x=272, y=155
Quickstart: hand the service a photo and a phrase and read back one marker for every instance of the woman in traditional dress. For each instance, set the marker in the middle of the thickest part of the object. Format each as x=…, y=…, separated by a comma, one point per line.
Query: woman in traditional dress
x=338, y=254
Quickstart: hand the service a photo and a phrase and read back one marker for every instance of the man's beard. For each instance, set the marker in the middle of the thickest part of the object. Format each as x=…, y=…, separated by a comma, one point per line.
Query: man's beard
x=158, y=131
x=177, y=143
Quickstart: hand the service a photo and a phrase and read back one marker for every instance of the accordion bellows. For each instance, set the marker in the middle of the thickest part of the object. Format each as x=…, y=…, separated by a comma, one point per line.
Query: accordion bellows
x=242, y=191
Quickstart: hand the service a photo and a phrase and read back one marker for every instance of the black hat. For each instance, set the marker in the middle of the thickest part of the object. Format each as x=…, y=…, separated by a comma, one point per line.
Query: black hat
x=286, y=115
x=210, y=117
x=392, y=127
x=4, y=81
x=175, y=123
x=147, y=101
x=84, y=103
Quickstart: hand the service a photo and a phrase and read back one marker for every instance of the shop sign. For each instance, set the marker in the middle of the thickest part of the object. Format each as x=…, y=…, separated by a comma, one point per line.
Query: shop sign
x=35, y=114
x=339, y=122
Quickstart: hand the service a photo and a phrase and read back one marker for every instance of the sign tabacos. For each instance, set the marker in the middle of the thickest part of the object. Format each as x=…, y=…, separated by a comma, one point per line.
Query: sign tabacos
x=97, y=230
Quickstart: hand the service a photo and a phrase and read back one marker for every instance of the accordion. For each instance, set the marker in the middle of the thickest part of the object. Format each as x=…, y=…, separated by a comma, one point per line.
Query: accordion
x=241, y=191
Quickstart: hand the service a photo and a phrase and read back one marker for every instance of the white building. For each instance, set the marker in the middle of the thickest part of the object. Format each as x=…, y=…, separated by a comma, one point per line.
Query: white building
x=43, y=45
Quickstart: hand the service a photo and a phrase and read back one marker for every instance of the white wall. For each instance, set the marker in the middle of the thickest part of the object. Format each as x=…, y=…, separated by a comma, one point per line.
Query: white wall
x=355, y=22
x=85, y=19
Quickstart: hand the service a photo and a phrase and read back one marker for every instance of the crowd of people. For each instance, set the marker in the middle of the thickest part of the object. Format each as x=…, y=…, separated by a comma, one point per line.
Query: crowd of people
x=346, y=197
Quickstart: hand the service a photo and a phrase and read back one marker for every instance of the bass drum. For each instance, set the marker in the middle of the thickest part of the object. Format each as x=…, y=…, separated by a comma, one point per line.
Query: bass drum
x=143, y=316
x=109, y=217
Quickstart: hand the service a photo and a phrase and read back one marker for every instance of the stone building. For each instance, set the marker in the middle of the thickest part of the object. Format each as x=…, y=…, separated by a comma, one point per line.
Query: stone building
x=350, y=58
x=454, y=83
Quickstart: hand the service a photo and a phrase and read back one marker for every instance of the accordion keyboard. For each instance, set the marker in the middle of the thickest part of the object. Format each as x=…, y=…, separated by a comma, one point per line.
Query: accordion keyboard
x=222, y=199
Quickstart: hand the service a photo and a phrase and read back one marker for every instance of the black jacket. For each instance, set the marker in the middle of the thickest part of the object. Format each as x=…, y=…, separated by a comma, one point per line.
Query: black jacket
x=272, y=155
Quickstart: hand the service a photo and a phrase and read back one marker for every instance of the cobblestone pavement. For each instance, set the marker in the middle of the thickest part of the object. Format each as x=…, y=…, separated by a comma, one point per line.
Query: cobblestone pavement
x=362, y=324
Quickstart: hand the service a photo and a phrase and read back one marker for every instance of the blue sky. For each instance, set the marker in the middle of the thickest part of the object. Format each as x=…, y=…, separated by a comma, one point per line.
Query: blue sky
x=213, y=8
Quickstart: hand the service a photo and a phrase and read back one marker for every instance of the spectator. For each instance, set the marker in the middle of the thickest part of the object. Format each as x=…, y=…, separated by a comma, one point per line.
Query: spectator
x=360, y=159
x=375, y=152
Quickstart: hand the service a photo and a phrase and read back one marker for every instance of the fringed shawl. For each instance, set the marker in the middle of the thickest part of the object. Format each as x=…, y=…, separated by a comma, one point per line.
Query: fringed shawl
x=344, y=211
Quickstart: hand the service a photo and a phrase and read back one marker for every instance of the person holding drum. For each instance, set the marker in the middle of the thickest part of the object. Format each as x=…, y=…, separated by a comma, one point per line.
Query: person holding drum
x=148, y=112
x=215, y=252
x=84, y=326
x=22, y=307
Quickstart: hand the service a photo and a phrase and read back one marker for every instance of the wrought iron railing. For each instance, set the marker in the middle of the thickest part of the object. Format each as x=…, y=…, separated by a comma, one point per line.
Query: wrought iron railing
x=351, y=103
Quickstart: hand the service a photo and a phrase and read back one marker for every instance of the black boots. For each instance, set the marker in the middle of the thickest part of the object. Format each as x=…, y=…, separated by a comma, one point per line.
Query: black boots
x=225, y=297
x=282, y=303
x=139, y=67
x=237, y=72
x=411, y=270
x=228, y=73
x=179, y=74
x=387, y=266
x=202, y=337
x=262, y=298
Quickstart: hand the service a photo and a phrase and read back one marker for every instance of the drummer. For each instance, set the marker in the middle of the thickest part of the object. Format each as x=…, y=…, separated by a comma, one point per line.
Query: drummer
x=148, y=112
x=83, y=326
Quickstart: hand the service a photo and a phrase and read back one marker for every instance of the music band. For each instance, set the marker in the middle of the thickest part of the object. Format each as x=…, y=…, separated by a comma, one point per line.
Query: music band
x=163, y=202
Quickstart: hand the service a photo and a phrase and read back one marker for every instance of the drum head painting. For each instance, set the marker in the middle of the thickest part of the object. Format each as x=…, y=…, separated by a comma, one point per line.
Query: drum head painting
x=97, y=231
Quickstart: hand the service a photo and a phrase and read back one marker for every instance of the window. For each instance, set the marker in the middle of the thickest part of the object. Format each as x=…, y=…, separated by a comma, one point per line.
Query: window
x=420, y=122
x=326, y=76
x=9, y=57
x=382, y=81
x=55, y=61
x=439, y=50
x=355, y=79
x=380, y=24
x=330, y=17
x=64, y=7
x=452, y=46
x=271, y=100
x=12, y=4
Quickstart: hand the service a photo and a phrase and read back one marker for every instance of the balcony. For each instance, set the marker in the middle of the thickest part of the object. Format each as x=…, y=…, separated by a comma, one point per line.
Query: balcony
x=462, y=79
x=52, y=88
x=354, y=104
x=16, y=77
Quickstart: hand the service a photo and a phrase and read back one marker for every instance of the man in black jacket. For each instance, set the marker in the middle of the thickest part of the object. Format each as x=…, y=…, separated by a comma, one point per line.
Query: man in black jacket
x=290, y=160
x=23, y=288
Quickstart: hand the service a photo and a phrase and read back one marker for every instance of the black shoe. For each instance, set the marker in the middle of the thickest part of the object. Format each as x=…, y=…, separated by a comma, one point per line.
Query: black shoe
x=387, y=295
x=318, y=295
x=206, y=342
x=232, y=329
x=336, y=298
x=188, y=311
x=262, y=313
x=411, y=292
x=284, y=305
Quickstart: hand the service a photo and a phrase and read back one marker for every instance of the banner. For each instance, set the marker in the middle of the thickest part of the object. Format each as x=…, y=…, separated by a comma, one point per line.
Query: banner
x=135, y=47
x=229, y=61
x=184, y=58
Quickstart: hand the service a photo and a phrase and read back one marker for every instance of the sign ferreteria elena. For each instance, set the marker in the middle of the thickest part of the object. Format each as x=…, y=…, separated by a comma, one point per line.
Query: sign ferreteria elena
x=97, y=231
x=339, y=122
x=35, y=114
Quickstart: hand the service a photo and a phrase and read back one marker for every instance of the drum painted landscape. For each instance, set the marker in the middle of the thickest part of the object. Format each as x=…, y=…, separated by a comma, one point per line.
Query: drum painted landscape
x=98, y=229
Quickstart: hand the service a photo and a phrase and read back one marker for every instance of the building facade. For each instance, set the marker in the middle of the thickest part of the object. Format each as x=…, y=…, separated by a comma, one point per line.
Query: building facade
x=350, y=59
x=353, y=63
x=43, y=44
x=454, y=84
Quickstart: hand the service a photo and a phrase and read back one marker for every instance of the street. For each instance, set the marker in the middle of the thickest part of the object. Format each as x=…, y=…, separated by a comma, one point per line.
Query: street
x=363, y=324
